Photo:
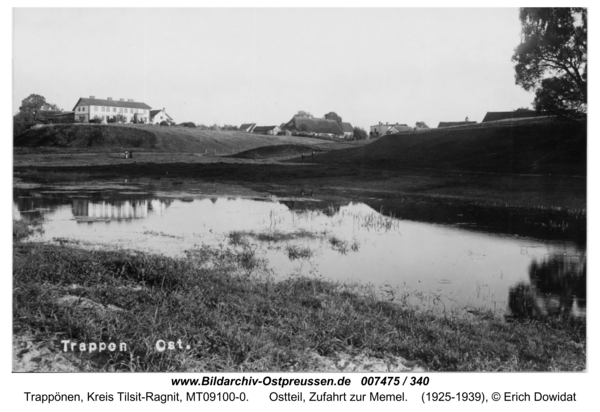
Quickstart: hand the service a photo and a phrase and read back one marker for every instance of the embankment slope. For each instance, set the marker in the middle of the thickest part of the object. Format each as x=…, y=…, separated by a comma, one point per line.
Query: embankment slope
x=95, y=137
x=550, y=147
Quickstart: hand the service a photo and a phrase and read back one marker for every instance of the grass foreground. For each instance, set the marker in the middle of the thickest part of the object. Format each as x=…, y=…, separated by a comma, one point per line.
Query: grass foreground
x=235, y=316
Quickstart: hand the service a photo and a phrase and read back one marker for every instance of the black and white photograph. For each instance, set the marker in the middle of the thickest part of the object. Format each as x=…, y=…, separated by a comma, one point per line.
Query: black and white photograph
x=299, y=190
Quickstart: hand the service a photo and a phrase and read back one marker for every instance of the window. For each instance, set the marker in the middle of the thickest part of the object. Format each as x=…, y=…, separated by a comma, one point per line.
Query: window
x=114, y=109
x=95, y=108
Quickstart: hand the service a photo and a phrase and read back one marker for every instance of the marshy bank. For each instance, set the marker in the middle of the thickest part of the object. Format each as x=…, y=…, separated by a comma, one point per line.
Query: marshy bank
x=224, y=303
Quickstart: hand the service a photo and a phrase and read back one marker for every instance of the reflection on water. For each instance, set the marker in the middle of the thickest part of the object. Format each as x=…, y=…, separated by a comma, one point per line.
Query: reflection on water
x=556, y=288
x=444, y=268
x=87, y=211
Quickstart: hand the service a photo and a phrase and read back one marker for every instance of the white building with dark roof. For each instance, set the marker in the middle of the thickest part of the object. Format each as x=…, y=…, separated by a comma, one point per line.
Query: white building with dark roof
x=159, y=116
x=388, y=128
x=271, y=130
x=90, y=108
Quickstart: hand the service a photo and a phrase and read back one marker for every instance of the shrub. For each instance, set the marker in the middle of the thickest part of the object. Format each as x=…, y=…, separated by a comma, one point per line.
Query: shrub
x=188, y=124
x=164, y=123
x=360, y=133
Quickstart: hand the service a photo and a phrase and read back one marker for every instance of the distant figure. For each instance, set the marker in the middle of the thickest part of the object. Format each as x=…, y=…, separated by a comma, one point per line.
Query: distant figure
x=126, y=154
x=303, y=157
x=131, y=154
x=467, y=119
x=313, y=155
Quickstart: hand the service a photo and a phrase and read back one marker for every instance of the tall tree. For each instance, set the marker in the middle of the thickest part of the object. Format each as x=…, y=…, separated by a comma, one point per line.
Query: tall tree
x=32, y=104
x=334, y=116
x=552, y=58
x=421, y=125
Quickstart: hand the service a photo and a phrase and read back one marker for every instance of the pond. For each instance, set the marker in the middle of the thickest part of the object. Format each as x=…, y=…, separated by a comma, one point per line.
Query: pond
x=446, y=268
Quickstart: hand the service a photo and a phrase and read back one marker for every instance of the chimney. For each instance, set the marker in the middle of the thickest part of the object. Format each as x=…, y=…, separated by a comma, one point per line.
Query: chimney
x=109, y=98
x=122, y=100
x=92, y=97
x=386, y=123
x=163, y=109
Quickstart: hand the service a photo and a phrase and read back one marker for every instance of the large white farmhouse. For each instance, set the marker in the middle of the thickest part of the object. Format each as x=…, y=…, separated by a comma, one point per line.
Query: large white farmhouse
x=107, y=110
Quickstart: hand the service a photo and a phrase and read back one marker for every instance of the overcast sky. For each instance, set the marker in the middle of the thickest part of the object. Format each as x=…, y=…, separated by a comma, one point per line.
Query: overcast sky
x=232, y=66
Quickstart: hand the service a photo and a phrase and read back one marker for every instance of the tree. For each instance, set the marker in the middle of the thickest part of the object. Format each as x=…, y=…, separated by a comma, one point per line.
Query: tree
x=360, y=133
x=51, y=106
x=21, y=122
x=552, y=58
x=302, y=113
x=421, y=125
x=333, y=116
x=32, y=104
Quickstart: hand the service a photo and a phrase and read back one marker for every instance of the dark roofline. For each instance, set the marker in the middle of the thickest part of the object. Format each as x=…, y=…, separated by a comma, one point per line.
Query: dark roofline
x=347, y=127
x=450, y=124
x=315, y=125
x=517, y=114
x=111, y=103
x=155, y=112
x=261, y=129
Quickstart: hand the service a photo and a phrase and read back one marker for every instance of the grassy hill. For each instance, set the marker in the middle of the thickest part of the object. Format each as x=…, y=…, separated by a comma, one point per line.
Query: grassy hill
x=538, y=147
x=156, y=138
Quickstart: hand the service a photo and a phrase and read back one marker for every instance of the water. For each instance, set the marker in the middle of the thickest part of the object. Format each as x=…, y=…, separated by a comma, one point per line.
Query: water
x=437, y=267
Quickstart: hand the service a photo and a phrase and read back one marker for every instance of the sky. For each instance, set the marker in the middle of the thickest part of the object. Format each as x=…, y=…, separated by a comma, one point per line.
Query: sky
x=262, y=65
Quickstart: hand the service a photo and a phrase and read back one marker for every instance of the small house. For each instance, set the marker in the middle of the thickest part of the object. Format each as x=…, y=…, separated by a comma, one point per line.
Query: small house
x=385, y=129
x=159, y=116
x=247, y=127
x=269, y=130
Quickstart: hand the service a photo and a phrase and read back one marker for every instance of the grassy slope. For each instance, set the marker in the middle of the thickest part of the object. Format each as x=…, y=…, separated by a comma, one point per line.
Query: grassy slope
x=144, y=137
x=550, y=147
